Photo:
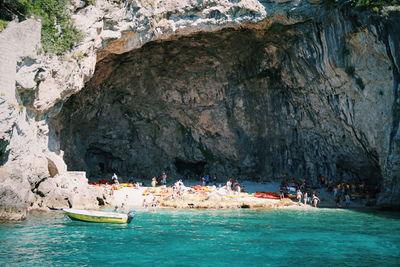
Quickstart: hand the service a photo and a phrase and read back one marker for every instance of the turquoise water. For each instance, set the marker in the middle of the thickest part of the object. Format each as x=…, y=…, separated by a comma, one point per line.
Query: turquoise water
x=206, y=238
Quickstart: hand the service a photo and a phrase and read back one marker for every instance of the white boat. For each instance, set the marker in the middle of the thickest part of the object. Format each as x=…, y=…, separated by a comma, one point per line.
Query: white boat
x=99, y=216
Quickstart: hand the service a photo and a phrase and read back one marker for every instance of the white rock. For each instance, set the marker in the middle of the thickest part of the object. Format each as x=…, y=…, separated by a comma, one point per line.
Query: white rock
x=25, y=78
x=110, y=35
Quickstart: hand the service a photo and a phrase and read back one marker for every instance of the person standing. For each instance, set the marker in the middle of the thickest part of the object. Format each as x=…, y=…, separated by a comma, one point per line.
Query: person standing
x=114, y=179
x=322, y=181
x=207, y=180
x=299, y=195
x=154, y=182
x=315, y=200
x=229, y=186
x=282, y=192
x=338, y=200
x=237, y=188
x=348, y=201
x=163, y=179
x=305, y=198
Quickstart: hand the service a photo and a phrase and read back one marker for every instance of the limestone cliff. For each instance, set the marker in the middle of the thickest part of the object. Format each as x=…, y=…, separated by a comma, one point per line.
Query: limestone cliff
x=244, y=88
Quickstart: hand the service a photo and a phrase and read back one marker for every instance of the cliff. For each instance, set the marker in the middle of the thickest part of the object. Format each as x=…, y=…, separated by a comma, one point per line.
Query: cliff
x=249, y=89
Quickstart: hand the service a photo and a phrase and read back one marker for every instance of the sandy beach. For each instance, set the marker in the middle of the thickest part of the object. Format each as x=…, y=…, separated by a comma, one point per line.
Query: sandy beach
x=211, y=197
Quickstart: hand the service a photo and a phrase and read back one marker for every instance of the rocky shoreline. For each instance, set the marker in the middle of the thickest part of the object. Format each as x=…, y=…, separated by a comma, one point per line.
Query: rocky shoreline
x=57, y=194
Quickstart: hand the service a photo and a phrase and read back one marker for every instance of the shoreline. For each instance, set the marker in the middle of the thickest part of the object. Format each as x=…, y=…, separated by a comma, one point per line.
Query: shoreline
x=60, y=193
x=124, y=197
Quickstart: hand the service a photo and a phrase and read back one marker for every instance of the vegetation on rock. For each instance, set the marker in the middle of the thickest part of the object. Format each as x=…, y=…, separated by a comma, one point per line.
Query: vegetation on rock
x=58, y=33
x=3, y=24
x=376, y=3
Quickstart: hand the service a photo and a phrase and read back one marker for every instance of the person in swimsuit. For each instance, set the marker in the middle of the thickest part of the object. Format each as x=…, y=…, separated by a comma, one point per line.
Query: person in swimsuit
x=299, y=195
x=315, y=200
x=305, y=198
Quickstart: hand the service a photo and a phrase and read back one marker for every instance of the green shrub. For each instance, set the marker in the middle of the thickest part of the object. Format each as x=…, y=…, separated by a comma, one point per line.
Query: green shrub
x=79, y=55
x=3, y=24
x=15, y=106
x=89, y=2
x=58, y=33
x=363, y=3
x=12, y=106
x=375, y=9
x=376, y=5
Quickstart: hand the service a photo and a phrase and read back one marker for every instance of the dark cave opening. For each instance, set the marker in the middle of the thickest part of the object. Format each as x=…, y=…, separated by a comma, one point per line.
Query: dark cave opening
x=221, y=103
x=184, y=168
x=100, y=162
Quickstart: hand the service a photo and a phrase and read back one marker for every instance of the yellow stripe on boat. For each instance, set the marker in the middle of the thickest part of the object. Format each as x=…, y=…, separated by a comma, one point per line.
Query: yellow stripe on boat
x=96, y=216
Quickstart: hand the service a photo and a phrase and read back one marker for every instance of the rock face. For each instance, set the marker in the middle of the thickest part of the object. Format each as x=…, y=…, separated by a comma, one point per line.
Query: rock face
x=241, y=88
x=255, y=101
x=66, y=191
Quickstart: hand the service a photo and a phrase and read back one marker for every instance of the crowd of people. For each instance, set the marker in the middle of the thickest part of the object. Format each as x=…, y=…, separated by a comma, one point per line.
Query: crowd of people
x=160, y=180
x=234, y=186
x=313, y=199
x=343, y=192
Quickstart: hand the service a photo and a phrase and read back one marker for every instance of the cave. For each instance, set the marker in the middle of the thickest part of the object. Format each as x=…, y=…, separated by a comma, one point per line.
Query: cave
x=247, y=102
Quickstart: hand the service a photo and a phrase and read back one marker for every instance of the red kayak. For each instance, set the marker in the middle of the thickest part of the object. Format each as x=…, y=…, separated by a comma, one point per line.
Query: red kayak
x=268, y=195
x=271, y=197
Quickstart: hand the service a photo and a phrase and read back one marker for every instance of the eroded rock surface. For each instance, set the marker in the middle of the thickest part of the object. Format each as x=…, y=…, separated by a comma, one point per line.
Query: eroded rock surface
x=255, y=101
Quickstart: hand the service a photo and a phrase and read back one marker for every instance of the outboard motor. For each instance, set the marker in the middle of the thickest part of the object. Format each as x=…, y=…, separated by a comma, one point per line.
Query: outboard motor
x=131, y=214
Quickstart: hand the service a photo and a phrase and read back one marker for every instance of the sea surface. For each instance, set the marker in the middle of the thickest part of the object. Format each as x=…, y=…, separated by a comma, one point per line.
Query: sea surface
x=323, y=237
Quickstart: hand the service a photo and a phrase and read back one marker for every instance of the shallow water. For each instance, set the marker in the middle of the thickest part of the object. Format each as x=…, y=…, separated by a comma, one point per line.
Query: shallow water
x=207, y=238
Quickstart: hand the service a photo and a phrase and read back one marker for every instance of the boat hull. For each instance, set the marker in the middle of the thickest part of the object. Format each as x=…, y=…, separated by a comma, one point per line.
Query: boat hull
x=97, y=218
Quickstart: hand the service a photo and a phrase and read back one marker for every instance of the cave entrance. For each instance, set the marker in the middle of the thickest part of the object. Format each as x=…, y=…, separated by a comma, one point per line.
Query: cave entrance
x=232, y=103
x=101, y=162
x=185, y=168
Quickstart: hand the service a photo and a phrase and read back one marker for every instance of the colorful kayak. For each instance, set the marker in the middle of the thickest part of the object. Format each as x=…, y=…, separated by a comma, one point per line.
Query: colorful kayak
x=271, y=197
x=268, y=195
x=99, y=216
